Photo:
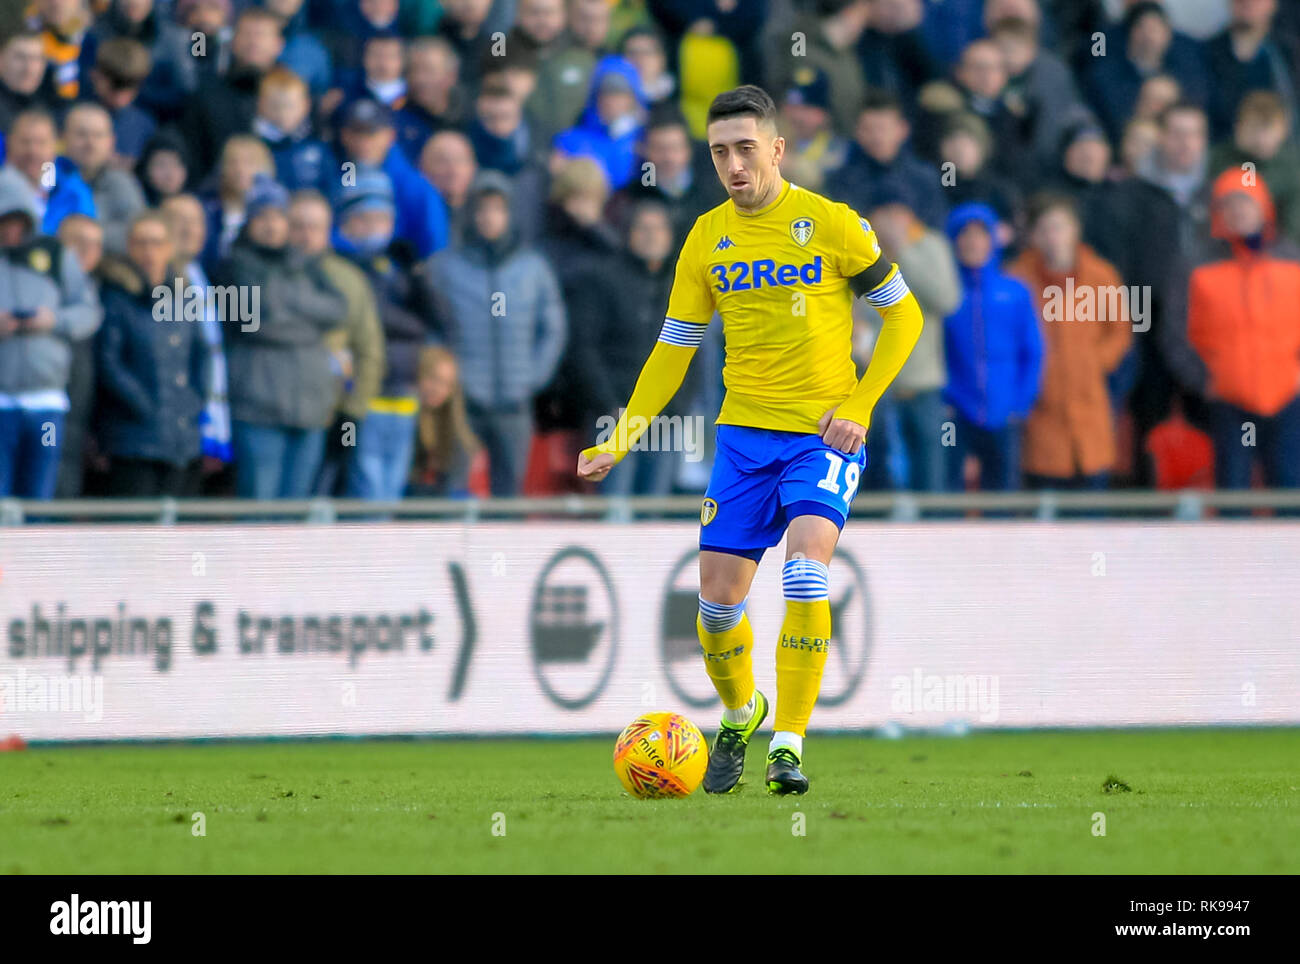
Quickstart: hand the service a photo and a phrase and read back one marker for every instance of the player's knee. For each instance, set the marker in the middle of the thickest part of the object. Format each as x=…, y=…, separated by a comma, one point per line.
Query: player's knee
x=806, y=580
x=720, y=617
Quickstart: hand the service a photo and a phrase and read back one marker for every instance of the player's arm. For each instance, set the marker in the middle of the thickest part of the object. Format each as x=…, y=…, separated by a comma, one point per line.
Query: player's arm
x=690, y=307
x=881, y=282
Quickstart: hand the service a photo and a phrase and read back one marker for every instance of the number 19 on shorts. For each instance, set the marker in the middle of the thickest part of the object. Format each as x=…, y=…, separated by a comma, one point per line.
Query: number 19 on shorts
x=832, y=481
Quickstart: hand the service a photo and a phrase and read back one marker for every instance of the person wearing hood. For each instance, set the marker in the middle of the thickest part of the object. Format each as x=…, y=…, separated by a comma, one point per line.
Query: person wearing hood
x=499, y=309
x=226, y=105
x=994, y=352
x=386, y=441
x=1070, y=433
x=46, y=304
x=610, y=126
x=1242, y=345
x=152, y=371
x=163, y=169
x=915, y=397
x=282, y=380
x=30, y=149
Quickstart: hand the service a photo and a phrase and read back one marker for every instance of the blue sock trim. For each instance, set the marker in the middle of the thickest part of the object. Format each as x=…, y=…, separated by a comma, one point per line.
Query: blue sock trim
x=719, y=617
x=806, y=580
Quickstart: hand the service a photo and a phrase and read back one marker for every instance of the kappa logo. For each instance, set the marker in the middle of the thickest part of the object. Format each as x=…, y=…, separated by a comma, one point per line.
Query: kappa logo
x=801, y=229
x=708, y=509
x=724, y=244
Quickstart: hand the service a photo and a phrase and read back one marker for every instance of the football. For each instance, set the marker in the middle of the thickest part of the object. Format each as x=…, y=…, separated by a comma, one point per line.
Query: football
x=660, y=755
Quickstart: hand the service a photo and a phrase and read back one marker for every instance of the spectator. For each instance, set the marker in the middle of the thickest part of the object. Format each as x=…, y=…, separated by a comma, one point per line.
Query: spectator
x=643, y=47
x=170, y=76
x=1083, y=173
x=1243, y=323
x=187, y=222
x=84, y=237
x=966, y=144
x=503, y=141
x=445, y=444
x=508, y=333
x=1248, y=56
x=243, y=158
x=1262, y=139
x=163, y=169
x=447, y=161
x=382, y=76
x=210, y=19
x=385, y=445
x=831, y=31
x=120, y=68
x=616, y=311
x=22, y=77
x=283, y=386
x=465, y=26
x=303, y=53
x=611, y=123
x=1146, y=49
x=925, y=257
x=357, y=344
x=812, y=148
x=88, y=136
x=578, y=243
x=434, y=99
x=46, y=305
x=367, y=138
x=283, y=122
x=152, y=371
x=564, y=66
x=879, y=150
x=225, y=105
x=892, y=50
x=1158, y=93
x=994, y=353
x=56, y=188
x=1070, y=434
x=62, y=26
x=679, y=175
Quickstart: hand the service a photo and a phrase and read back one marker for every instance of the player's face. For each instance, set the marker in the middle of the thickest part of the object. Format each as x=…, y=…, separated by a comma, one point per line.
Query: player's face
x=747, y=157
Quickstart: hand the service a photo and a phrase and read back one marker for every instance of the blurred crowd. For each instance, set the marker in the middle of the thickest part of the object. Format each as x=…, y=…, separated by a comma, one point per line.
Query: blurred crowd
x=387, y=248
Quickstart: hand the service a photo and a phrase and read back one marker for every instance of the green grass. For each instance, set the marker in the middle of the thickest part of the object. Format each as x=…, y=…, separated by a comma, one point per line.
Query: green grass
x=1179, y=801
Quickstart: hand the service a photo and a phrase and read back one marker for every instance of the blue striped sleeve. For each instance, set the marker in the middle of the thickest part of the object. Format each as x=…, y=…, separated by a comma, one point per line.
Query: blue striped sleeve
x=888, y=292
x=685, y=334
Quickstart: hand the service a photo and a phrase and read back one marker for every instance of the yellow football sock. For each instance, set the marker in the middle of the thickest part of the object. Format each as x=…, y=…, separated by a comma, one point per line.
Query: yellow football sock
x=800, y=659
x=729, y=661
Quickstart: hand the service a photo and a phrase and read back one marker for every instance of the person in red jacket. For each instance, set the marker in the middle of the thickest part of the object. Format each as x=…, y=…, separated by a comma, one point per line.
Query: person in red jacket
x=1243, y=321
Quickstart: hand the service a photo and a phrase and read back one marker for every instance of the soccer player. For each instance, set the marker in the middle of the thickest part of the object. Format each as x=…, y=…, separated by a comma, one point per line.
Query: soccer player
x=781, y=265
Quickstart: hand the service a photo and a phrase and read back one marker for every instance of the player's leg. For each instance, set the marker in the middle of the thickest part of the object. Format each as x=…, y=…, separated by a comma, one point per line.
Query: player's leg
x=803, y=645
x=739, y=519
x=727, y=642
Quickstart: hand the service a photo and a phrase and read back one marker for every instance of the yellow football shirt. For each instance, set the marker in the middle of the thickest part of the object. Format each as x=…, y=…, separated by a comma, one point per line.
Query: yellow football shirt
x=779, y=279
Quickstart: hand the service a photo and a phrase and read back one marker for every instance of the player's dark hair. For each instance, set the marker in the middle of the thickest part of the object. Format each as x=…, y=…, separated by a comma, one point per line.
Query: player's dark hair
x=744, y=101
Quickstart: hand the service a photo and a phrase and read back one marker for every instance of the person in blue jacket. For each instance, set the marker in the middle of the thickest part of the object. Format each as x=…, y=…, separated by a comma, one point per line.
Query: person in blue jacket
x=610, y=126
x=994, y=350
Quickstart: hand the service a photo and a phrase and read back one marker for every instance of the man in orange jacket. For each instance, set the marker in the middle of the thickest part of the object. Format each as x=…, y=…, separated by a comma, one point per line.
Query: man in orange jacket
x=1243, y=322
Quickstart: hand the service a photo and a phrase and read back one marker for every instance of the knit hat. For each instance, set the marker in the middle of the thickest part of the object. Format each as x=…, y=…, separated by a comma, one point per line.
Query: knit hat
x=372, y=191
x=265, y=193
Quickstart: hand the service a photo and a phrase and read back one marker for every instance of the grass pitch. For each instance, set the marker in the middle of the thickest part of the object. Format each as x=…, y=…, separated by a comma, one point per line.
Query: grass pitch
x=1197, y=801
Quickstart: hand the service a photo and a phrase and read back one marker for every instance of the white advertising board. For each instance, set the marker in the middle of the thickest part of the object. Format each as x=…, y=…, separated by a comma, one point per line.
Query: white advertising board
x=111, y=633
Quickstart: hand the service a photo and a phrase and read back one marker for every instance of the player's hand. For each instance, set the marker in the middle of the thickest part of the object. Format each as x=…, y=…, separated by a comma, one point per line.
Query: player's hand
x=593, y=470
x=841, y=434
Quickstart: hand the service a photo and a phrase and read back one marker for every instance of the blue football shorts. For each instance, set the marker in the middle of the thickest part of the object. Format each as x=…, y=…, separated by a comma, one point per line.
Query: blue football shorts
x=764, y=478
